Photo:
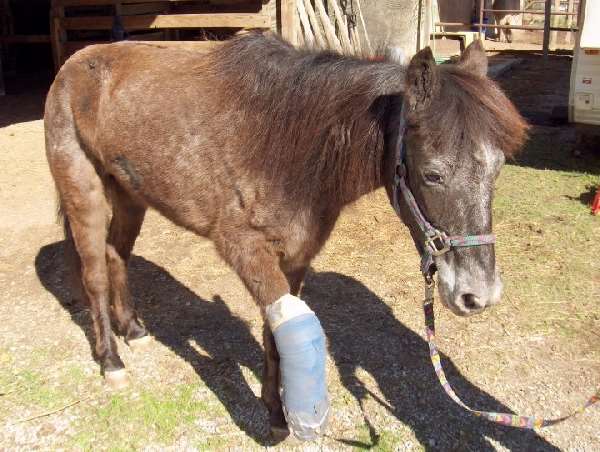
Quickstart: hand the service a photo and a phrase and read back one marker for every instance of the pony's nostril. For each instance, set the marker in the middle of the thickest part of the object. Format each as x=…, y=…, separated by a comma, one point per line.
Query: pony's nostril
x=471, y=301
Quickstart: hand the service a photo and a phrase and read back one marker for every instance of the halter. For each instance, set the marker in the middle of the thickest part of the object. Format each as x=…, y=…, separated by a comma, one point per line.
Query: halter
x=436, y=242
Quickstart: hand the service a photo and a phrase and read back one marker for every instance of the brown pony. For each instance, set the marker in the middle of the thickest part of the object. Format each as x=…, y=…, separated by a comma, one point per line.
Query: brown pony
x=258, y=146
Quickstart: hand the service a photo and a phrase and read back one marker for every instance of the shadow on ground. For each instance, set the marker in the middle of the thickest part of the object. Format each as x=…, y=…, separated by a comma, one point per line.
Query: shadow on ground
x=540, y=90
x=180, y=319
x=362, y=332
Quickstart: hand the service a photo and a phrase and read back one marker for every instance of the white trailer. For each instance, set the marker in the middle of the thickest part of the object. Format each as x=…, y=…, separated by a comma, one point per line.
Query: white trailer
x=584, y=94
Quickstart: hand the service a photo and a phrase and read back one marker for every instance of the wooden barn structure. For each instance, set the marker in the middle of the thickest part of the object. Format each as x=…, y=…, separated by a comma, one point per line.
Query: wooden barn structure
x=350, y=26
x=73, y=24
x=65, y=26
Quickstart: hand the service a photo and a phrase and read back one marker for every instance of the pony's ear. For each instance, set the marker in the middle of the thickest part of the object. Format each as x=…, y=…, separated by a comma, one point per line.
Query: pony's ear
x=474, y=59
x=422, y=82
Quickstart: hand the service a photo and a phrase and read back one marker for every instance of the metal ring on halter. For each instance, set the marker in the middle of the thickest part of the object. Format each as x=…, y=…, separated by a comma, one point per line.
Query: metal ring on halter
x=438, y=243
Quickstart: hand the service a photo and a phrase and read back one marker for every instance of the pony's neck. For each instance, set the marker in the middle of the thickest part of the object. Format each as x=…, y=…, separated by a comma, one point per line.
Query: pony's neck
x=369, y=152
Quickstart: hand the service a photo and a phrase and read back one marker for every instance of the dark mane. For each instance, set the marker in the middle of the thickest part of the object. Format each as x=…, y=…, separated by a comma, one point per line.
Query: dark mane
x=473, y=108
x=321, y=115
x=313, y=112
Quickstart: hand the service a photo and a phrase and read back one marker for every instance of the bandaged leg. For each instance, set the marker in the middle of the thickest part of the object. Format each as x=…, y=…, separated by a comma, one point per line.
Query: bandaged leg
x=301, y=345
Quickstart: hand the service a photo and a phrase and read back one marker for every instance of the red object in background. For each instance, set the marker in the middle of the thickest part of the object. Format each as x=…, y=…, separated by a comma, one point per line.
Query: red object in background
x=596, y=202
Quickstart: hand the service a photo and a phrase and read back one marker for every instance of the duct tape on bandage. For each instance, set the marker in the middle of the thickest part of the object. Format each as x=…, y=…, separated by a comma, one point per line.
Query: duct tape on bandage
x=300, y=342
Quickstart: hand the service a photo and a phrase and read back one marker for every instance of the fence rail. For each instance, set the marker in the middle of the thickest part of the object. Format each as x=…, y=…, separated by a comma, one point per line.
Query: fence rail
x=525, y=11
x=547, y=12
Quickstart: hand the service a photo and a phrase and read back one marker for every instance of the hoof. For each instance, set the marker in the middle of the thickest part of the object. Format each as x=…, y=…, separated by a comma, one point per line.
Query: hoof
x=139, y=343
x=117, y=379
x=279, y=433
x=278, y=426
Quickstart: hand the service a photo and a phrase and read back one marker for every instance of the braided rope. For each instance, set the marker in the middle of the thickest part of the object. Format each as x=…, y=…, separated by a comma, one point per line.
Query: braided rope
x=513, y=420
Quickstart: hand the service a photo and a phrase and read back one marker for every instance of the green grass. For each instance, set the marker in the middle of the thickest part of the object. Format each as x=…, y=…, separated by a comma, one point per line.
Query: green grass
x=33, y=386
x=128, y=422
x=547, y=239
x=382, y=441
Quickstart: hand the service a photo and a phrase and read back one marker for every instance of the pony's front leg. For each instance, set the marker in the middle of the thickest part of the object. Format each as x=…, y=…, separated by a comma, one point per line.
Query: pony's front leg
x=271, y=384
x=271, y=375
x=298, y=337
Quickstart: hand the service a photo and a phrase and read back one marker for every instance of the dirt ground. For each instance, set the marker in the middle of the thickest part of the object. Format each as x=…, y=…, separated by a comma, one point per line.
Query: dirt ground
x=197, y=384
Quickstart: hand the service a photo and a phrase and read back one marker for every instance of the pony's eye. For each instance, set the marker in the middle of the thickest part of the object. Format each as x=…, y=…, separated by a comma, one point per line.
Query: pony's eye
x=433, y=178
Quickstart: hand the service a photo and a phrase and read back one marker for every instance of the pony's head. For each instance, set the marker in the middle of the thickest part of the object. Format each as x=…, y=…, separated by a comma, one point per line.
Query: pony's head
x=459, y=128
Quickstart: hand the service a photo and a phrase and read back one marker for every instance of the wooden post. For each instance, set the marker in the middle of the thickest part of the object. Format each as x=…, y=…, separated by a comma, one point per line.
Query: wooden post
x=481, y=7
x=57, y=33
x=288, y=21
x=547, y=11
x=554, y=35
x=419, y=24
x=3, y=30
x=2, y=92
x=569, y=36
x=428, y=21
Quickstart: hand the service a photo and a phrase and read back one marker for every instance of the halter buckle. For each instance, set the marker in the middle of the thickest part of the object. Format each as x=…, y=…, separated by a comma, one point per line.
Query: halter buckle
x=437, y=244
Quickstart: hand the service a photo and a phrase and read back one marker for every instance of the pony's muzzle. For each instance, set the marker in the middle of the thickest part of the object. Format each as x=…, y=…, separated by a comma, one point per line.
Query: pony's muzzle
x=468, y=292
x=471, y=302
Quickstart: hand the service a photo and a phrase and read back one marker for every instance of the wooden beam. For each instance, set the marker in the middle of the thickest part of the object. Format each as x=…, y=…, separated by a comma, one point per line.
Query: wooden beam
x=546, y=44
x=481, y=33
x=289, y=22
x=105, y=2
x=68, y=3
x=225, y=20
x=58, y=35
x=513, y=27
x=25, y=39
x=144, y=8
x=529, y=11
x=2, y=91
x=201, y=46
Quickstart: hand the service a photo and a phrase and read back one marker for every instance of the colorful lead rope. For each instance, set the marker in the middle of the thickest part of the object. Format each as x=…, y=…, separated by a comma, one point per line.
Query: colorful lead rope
x=513, y=420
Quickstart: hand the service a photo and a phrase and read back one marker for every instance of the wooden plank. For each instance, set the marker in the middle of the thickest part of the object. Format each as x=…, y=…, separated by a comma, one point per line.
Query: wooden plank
x=144, y=8
x=481, y=33
x=58, y=35
x=528, y=27
x=2, y=91
x=225, y=20
x=201, y=46
x=152, y=36
x=529, y=11
x=71, y=47
x=114, y=2
x=546, y=43
x=67, y=3
x=25, y=39
x=289, y=21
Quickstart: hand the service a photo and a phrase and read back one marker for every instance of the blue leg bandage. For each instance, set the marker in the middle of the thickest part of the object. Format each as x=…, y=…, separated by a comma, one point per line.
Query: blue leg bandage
x=301, y=345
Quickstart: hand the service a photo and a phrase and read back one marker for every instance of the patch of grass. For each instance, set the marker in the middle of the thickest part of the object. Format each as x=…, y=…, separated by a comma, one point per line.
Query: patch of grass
x=130, y=421
x=546, y=247
x=33, y=391
x=384, y=440
x=210, y=443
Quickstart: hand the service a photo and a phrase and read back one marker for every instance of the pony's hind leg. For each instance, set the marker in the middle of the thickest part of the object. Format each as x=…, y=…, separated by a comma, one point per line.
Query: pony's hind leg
x=84, y=204
x=73, y=267
x=125, y=225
